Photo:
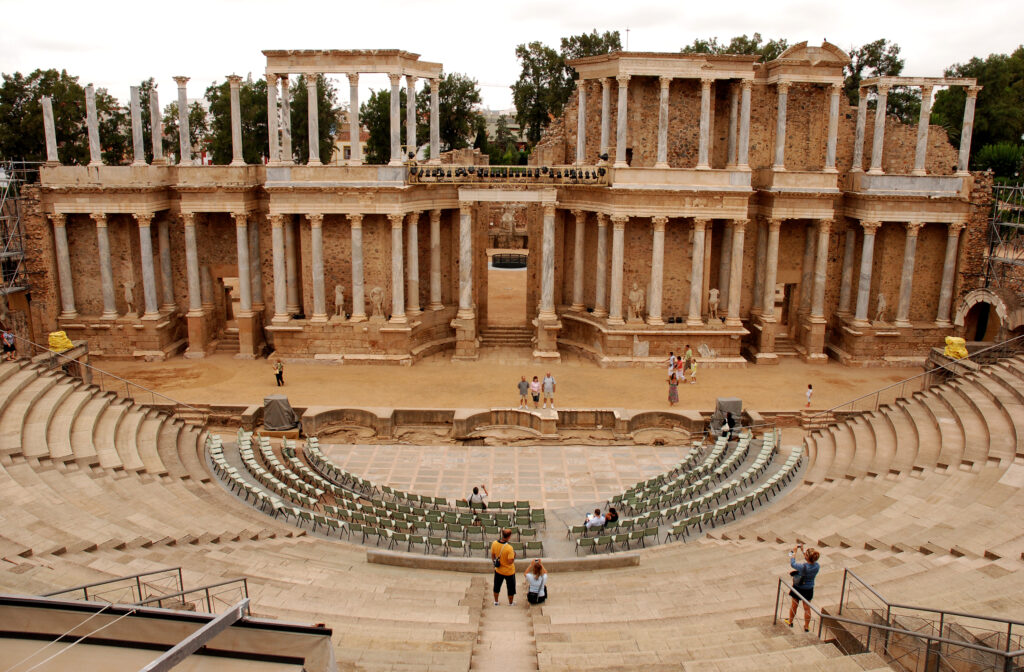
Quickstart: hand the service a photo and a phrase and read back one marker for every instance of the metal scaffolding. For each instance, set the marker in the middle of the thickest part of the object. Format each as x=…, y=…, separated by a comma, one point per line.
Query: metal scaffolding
x=14, y=175
x=1005, y=260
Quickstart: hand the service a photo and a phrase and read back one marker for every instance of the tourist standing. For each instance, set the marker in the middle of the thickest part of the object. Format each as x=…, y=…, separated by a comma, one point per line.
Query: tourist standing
x=549, y=389
x=803, y=582
x=671, y=362
x=693, y=372
x=535, y=392
x=810, y=391
x=279, y=372
x=524, y=389
x=503, y=556
x=7, y=340
x=536, y=580
x=673, y=389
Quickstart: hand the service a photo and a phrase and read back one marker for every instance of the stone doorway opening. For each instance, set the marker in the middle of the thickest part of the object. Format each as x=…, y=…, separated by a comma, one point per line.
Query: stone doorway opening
x=982, y=322
x=506, y=287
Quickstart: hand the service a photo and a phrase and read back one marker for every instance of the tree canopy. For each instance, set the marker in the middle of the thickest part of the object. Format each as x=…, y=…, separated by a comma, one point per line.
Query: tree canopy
x=252, y=103
x=198, y=127
x=375, y=116
x=326, y=114
x=751, y=46
x=881, y=58
x=459, y=119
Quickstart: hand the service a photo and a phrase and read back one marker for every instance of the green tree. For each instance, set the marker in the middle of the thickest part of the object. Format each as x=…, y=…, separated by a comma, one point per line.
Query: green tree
x=252, y=103
x=21, y=116
x=588, y=44
x=375, y=116
x=327, y=118
x=881, y=58
x=198, y=127
x=1005, y=159
x=458, y=117
x=503, y=136
x=751, y=46
x=999, y=111
x=115, y=129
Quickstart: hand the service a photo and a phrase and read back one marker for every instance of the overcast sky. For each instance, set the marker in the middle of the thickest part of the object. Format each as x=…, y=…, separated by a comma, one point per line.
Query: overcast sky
x=117, y=44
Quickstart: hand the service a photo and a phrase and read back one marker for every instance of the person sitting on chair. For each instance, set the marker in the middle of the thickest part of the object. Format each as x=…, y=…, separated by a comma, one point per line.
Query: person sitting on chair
x=595, y=519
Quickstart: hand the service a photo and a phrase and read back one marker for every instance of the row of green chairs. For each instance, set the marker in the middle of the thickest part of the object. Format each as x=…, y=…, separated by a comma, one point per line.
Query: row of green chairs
x=623, y=539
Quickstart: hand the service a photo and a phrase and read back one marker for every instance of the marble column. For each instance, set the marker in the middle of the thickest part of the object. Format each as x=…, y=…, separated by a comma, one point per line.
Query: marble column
x=600, y=293
x=313, y=121
x=106, y=269
x=166, y=272
x=577, y=263
x=184, y=136
x=846, y=285
x=780, y=126
x=206, y=288
x=195, y=292
x=820, y=269
x=948, y=273
x=356, y=155
x=410, y=119
x=397, y=270
x=704, y=148
x=396, y=120
x=49, y=132
x=759, y=266
x=149, y=298
x=620, y=126
x=465, y=262
x=907, y=274
x=138, y=139
x=725, y=266
x=358, y=289
x=606, y=104
x=693, y=318
x=92, y=121
x=807, y=270
x=280, y=274
x=581, y=122
x=291, y=265
x=739, y=227
x=858, y=139
x=547, y=272
x=156, y=128
x=657, y=270
x=244, y=272
x=618, y=257
x=64, y=277
x=412, y=294
x=255, y=267
x=867, y=257
x=287, y=157
x=435, y=260
x=771, y=260
x=743, y=150
x=878, y=139
x=833, y=127
x=921, y=148
x=662, y=161
x=237, y=159
x=316, y=245
x=967, y=130
x=273, y=117
x=435, y=125
x=734, y=106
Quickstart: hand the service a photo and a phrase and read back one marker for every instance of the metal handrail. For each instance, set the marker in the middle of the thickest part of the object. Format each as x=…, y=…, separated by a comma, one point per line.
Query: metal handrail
x=205, y=589
x=137, y=577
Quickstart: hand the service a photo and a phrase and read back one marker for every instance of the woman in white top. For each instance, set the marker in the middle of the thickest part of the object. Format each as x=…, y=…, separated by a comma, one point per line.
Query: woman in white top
x=537, y=578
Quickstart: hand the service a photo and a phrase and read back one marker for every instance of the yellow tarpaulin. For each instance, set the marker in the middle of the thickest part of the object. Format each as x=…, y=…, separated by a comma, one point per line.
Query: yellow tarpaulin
x=59, y=341
x=956, y=347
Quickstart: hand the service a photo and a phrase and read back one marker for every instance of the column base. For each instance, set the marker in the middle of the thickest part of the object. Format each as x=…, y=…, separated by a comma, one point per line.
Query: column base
x=860, y=322
x=620, y=164
x=140, y=162
x=436, y=306
x=395, y=162
x=902, y=323
x=281, y=318
x=68, y=316
x=398, y=319
x=578, y=307
x=919, y=172
x=238, y=162
x=152, y=316
x=169, y=308
x=778, y=169
x=465, y=314
x=547, y=316
x=354, y=162
x=318, y=318
x=663, y=164
x=694, y=322
x=600, y=312
x=733, y=322
x=293, y=309
x=315, y=164
x=833, y=169
x=413, y=311
x=944, y=324
x=962, y=173
x=616, y=320
x=109, y=315
x=703, y=166
x=357, y=318
x=876, y=171
x=655, y=321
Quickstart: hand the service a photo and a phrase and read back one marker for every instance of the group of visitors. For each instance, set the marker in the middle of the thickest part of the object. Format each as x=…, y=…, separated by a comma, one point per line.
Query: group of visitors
x=598, y=519
x=680, y=370
x=503, y=557
x=535, y=389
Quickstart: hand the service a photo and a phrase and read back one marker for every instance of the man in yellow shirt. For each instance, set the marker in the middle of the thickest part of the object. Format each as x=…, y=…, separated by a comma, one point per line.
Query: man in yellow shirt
x=504, y=558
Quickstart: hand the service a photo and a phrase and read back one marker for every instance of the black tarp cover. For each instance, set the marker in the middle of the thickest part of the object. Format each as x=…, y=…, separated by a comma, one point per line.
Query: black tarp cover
x=278, y=414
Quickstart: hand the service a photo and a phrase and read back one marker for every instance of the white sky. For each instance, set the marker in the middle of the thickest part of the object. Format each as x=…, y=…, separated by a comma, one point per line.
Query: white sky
x=117, y=44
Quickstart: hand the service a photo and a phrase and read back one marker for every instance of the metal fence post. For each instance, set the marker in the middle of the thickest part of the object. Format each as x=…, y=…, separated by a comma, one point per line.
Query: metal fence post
x=778, y=592
x=842, y=593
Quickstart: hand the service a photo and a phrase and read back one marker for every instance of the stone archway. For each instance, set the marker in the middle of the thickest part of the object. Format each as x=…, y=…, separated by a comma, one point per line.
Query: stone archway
x=982, y=303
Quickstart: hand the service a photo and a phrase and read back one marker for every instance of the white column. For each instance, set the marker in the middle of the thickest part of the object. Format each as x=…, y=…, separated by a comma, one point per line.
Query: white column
x=237, y=159
x=618, y=249
x=734, y=105
x=967, y=130
x=771, y=259
x=736, y=280
x=316, y=244
x=807, y=270
x=166, y=273
x=280, y=273
x=412, y=294
x=195, y=293
x=657, y=270
x=273, y=116
x=92, y=121
x=49, y=133
x=435, y=124
x=620, y=126
x=606, y=103
x=662, y=161
x=156, y=128
x=724, y=265
x=693, y=317
x=921, y=149
x=255, y=268
x=759, y=266
x=287, y=157
x=106, y=270
x=356, y=156
x=244, y=272
x=358, y=291
x=867, y=257
x=743, y=151
x=907, y=274
x=577, y=263
x=465, y=262
x=291, y=265
x=547, y=270
x=948, y=272
x=846, y=284
x=138, y=139
x=184, y=137
x=396, y=120
x=581, y=122
x=150, y=302
x=833, y=127
x=600, y=293
x=780, y=126
x=704, y=149
x=858, y=140
x=878, y=139
x=313, y=121
x=435, y=260
x=397, y=270
x=67, y=289
x=410, y=120
x=820, y=269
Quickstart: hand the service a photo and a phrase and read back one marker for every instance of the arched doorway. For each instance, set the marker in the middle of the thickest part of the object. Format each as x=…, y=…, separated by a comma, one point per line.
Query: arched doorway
x=982, y=322
x=989, y=314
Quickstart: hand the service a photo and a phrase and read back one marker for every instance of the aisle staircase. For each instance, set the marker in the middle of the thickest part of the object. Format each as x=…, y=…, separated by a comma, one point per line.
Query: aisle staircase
x=506, y=337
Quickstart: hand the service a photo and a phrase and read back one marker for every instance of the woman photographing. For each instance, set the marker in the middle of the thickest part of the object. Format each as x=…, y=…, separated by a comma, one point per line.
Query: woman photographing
x=803, y=582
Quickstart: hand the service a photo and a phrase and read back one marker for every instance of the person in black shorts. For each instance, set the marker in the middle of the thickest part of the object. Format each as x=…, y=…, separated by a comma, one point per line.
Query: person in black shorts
x=7, y=340
x=803, y=582
x=504, y=558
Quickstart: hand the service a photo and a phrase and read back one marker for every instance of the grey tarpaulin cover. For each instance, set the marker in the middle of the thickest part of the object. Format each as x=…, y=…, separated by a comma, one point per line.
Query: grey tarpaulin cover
x=725, y=405
x=278, y=414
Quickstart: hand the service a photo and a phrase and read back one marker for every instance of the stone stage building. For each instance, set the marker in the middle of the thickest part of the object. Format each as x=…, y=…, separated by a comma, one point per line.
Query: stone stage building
x=736, y=206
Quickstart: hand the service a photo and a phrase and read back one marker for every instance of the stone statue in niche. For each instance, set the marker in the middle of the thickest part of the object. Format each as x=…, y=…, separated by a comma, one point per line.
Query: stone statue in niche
x=377, y=304
x=129, y=297
x=880, y=308
x=713, y=299
x=339, y=301
x=636, y=304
